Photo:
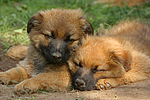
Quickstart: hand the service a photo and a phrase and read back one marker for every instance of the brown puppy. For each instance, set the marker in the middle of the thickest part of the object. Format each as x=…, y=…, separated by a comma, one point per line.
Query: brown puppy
x=120, y=57
x=54, y=35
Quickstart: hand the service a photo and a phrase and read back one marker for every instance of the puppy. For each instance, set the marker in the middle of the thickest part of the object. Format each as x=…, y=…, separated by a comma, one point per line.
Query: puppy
x=54, y=35
x=121, y=56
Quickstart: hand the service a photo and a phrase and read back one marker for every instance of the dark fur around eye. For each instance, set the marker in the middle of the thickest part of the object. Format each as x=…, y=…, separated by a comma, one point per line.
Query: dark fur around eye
x=79, y=64
x=94, y=69
x=68, y=39
x=53, y=35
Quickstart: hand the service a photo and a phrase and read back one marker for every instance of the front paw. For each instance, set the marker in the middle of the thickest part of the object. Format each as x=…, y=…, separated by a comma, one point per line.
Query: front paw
x=26, y=87
x=5, y=78
x=103, y=86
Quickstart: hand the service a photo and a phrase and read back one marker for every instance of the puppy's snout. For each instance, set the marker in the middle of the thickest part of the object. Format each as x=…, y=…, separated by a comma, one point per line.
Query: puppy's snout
x=80, y=83
x=57, y=54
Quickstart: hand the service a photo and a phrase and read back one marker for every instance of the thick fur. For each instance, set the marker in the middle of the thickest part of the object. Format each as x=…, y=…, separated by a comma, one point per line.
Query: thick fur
x=121, y=56
x=55, y=34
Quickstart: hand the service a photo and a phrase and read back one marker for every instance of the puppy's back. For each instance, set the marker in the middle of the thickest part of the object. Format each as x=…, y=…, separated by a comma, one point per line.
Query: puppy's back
x=138, y=34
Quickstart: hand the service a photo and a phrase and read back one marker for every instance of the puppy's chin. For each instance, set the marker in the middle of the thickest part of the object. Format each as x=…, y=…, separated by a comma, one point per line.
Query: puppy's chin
x=54, y=56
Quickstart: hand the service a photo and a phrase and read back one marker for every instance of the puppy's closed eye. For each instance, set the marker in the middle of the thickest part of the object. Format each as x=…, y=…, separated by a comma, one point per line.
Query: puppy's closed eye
x=95, y=69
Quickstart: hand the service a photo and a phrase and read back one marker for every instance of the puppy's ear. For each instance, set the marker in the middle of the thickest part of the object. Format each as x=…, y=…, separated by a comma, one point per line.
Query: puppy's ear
x=86, y=26
x=34, y=22
x=123, y=57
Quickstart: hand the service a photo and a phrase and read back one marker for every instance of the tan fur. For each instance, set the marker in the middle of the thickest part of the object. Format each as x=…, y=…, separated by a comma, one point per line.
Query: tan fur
x=35, y=71
x=121, y=56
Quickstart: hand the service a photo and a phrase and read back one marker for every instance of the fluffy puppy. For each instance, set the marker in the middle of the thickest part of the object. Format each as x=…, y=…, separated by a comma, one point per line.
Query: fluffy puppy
x=55, y=35
x=121, y=56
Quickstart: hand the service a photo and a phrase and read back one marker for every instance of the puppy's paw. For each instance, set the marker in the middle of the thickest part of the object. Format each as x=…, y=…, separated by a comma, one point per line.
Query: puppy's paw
x=4, y=78
x=103, y=86
x=26, y=87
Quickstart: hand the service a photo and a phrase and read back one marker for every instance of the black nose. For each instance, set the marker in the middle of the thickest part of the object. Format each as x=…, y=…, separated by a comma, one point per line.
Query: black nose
x=57, y=54
x=80, y=83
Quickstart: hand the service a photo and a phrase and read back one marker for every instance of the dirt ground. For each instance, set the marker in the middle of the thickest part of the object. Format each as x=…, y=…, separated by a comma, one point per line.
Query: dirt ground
x=134, y=91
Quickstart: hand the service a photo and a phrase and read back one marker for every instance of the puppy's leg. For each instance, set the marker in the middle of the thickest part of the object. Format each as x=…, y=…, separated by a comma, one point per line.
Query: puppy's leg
x=58, y=81
x=17, y=52
x=14, y=75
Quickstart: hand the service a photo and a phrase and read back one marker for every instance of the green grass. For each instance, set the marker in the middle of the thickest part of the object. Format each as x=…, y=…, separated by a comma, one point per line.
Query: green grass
x=14, y=15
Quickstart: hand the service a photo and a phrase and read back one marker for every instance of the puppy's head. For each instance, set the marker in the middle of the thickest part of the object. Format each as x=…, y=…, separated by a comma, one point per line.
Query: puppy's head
x=56, y=33
x=98, y=58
